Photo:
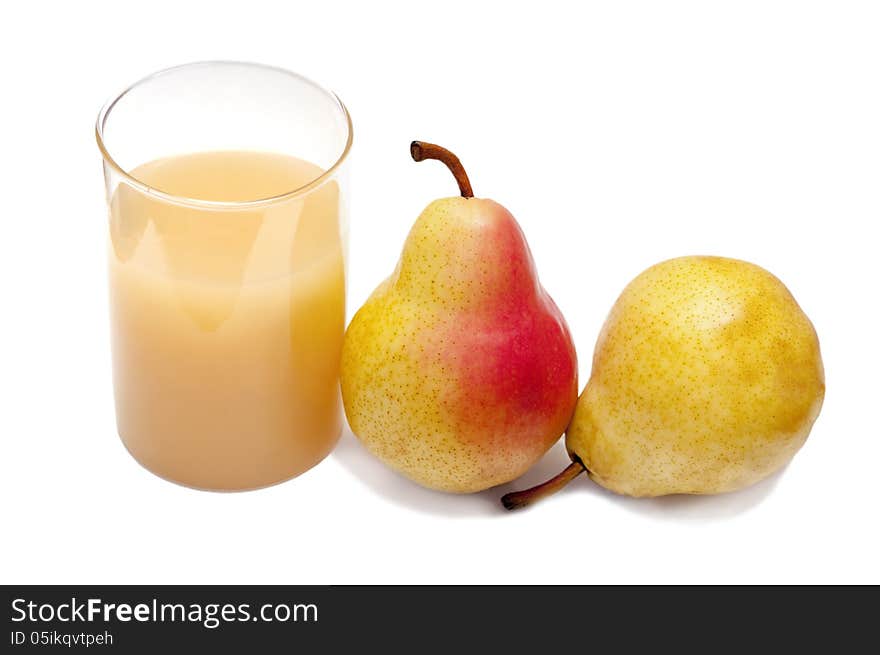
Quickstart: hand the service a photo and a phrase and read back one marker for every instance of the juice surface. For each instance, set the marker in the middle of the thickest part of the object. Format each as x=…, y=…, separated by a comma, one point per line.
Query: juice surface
x=227, y=322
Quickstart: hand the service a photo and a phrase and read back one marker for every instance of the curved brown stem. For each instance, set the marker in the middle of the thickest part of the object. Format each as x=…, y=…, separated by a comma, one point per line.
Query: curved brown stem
x=519, y=499
x=422, y=150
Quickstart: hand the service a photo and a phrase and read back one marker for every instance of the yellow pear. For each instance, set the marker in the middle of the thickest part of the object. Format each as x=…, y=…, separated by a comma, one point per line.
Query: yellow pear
x=707, y=377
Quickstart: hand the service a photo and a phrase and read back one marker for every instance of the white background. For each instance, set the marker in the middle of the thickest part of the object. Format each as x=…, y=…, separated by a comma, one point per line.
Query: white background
x=619, y=134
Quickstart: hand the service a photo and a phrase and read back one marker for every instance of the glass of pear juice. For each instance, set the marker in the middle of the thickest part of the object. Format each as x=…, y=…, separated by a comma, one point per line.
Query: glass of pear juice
x=228, y=231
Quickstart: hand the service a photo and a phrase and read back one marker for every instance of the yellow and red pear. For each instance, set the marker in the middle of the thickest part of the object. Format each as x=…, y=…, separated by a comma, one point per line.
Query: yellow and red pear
x=459, y=371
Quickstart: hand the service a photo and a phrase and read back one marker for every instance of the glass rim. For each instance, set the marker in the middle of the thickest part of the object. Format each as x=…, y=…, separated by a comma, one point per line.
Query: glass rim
x=130, y=179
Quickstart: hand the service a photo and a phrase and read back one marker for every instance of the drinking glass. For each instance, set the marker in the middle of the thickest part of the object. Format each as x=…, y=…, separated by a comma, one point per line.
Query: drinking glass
x=228, y=231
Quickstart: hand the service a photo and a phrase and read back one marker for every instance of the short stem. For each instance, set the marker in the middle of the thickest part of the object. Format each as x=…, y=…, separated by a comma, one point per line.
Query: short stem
x=422, y=150
x=519, y=499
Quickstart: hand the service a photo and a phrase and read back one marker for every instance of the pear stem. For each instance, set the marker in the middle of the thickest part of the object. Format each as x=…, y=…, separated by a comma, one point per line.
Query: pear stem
x=422, y=150
x=520, y=499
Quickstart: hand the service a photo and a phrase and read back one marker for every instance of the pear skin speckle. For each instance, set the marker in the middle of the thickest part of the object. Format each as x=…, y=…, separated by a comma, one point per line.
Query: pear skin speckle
x=459, y=371
x=707, y=377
